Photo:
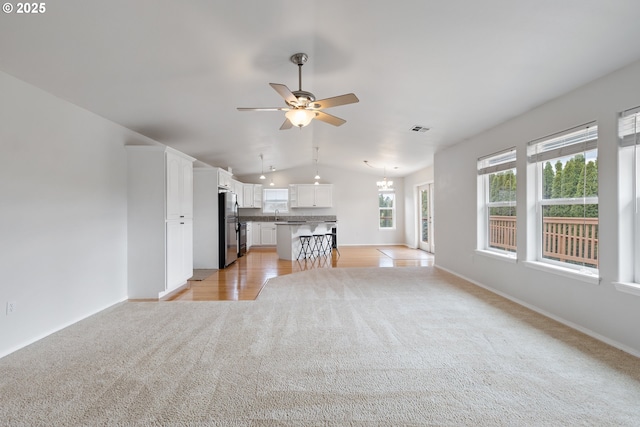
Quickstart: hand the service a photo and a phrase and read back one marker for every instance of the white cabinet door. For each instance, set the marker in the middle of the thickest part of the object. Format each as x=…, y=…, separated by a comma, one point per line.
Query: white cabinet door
x=247, y=195
x=179, y=187
x=306, y=195
x=179, y=261
x=257, y=195
x=173, y=178
x=186, y=189
x=324, y=196
x=293, y=196
x=313, y=196
x=255, y=233
x=249, y=235
x=268, y=233
x=224, y=179
x=252, y=195
x=187, y=248
x=174, y=262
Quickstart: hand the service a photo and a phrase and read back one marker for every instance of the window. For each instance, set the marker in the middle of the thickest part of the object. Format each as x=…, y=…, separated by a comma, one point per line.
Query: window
x=497, y=200
x=387, y=206
x=629, y=133
x=275, y=199
x=566, y=171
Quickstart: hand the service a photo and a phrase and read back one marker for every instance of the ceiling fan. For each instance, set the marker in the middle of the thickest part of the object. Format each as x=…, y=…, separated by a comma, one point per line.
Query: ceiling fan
x=302, y=106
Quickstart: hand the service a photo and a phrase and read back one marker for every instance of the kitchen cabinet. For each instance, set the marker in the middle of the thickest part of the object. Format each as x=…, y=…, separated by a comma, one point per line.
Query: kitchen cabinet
x=160, y=224
x=249, y=235
x=238, y=188
x=224, y=179
x=252, y=195
x=311, y=195
x=263, y=233
x=179, y=251
x=179, y=186
x=268, y=234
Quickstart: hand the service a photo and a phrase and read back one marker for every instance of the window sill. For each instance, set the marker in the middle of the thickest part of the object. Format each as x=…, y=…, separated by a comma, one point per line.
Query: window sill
x=566, y=272
x=629, y=288
x=497, y=255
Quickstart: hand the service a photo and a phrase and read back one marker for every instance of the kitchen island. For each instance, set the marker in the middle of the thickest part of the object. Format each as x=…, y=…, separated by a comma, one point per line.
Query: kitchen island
x=289, y=232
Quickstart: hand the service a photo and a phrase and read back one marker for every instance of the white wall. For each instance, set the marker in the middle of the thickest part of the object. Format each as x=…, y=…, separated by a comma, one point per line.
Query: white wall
x=599, y=310
x=63, y=215
x=355, y=201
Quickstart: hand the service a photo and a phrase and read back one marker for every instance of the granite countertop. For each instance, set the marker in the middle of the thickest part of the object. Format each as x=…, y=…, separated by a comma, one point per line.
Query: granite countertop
x=289, y=219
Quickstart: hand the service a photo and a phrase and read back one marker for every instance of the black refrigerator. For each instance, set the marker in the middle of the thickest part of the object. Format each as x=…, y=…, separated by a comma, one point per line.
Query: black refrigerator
x=228, y=228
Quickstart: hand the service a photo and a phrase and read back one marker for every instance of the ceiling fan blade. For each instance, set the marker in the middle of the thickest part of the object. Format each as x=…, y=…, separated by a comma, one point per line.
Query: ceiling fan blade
x=328, y=118
x=348, y=98
x=264, y=109
x=285, y=93
x=286, y=125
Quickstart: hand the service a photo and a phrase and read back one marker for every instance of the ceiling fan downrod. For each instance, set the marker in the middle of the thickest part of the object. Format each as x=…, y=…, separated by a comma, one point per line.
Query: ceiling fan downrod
x=299, y=59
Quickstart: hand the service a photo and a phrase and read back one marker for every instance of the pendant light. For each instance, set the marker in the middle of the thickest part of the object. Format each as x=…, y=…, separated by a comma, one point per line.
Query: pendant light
x=272, y=169
x=262, y=167
x=317, y=177
x=384, y=184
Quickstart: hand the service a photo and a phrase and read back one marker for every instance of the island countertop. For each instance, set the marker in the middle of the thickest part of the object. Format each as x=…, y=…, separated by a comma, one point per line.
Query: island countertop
x=288, y=218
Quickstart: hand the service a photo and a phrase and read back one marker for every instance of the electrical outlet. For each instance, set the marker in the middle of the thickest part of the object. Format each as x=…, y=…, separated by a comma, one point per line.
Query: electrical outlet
x=11, y=307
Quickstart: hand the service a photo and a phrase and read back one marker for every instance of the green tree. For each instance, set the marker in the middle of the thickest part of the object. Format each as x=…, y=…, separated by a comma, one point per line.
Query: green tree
x=547, y=181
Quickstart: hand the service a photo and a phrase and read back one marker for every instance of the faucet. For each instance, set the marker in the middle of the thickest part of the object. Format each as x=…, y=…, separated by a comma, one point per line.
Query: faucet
x=277, y=212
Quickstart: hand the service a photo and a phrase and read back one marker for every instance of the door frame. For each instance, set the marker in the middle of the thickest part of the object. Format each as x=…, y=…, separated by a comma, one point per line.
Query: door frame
x=428, y=246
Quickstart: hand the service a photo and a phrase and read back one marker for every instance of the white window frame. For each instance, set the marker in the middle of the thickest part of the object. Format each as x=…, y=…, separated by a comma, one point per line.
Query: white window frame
x=580, y=139
x=269, y=203
x=392, y=209
x=629, y=195
x=501, y=161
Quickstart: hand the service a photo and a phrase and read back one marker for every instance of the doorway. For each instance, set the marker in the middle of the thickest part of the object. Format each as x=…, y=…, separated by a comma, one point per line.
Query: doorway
x=425, y=218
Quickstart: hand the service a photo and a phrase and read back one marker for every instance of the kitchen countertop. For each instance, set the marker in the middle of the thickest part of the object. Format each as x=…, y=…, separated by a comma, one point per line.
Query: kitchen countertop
x=289, y=219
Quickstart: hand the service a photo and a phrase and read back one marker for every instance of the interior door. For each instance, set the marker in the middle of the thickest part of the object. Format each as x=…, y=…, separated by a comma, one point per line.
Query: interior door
x=425, y=217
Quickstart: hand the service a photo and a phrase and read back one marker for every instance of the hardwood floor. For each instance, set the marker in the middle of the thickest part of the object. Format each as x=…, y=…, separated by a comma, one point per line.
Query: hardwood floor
x=244, y=279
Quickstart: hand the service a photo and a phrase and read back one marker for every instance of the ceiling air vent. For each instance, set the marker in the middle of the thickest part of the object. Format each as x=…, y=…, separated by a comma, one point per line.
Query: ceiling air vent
x=418, y=128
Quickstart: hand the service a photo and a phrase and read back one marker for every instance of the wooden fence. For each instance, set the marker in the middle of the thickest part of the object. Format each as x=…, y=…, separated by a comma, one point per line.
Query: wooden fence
x=573, y=240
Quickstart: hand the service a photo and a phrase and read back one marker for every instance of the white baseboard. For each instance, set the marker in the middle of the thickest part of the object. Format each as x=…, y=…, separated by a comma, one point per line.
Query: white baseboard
x=59, y=328
x=586, y=331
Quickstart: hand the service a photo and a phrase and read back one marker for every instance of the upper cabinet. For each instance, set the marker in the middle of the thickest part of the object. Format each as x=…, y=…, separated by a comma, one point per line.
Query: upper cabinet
x=252, y=195
x=238, y=188
x=179, y=186
x=311, y=195
x=224, y=179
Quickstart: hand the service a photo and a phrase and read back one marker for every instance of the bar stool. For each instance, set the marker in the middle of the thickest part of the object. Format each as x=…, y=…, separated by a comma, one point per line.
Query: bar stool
x=328, y=243
x=333, y=241
x=305, y=246
x=318, y=244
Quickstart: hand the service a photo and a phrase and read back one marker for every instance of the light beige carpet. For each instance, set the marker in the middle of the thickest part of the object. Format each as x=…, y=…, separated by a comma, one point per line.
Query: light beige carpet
x=326, y=347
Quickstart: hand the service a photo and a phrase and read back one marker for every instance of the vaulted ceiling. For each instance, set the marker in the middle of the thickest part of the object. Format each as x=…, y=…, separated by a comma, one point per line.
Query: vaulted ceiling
x=175, y=71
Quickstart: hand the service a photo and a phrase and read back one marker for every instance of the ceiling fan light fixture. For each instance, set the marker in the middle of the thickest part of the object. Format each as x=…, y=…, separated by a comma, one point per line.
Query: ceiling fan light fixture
x=300, y=117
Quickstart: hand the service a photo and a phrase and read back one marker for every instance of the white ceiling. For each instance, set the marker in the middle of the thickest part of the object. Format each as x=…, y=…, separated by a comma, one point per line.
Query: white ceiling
x=176, y=70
